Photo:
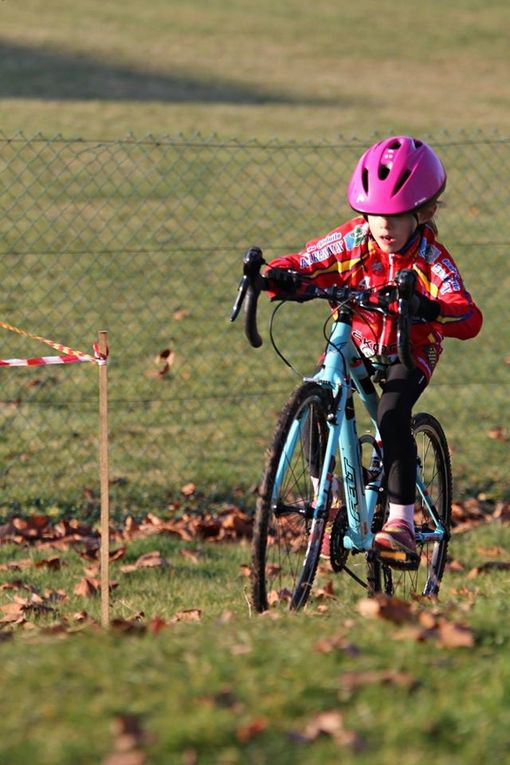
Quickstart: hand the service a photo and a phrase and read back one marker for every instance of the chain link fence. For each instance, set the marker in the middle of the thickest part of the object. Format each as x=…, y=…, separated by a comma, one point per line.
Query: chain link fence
x=144, y=239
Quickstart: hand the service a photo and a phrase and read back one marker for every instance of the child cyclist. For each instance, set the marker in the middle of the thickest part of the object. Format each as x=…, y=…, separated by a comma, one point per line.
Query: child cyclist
x=394, y=190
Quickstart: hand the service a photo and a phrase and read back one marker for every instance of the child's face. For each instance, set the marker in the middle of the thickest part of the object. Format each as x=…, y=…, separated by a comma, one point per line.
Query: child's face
x=392, y=232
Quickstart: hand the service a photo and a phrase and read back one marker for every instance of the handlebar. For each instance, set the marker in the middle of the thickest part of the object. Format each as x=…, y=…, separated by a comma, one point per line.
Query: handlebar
x=249, y=287
x=252, y=283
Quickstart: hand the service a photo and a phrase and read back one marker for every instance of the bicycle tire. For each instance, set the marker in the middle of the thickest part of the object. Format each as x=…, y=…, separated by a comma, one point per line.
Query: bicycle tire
x=287, y=541
x=435, y=465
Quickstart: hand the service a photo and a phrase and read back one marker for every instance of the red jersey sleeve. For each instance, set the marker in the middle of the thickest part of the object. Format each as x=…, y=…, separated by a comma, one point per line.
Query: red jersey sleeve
x=328, y=260
x=440, y=280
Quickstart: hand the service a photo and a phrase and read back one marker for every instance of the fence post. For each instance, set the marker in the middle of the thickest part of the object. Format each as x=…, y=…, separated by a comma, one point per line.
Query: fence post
x=104, y=482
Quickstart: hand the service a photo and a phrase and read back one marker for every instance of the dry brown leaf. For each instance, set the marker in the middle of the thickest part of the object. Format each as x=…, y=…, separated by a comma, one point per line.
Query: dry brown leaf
x=13, y=613
x=132, y=626
x=17, y=565
x=354, y=679
x=455, y=635
x=181, y=313
x=279, y=596
x=325, y=592
x=336, y=643
x=157, y=625
x=493, y=552
x=54, y=563
x=384, y=607
x=193, y=555
x=502, y=511
x=187, y=615
x=454, y=565
x=128, y=737
x=151, y=559
x=249, y=730
x=490, y=565
x=498, y=433
x=330, y=723
x=87, y=587
x=188, y=489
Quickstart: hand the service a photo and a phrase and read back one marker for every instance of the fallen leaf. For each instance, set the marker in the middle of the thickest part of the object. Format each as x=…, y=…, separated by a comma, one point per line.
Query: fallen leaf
x=493, y=552
x=128, y=626
x=165, y=360
x=54, y=563
x=188, y=489
x=355, y=679
x=336, y=643
x=490, y=565
x=249, y=730
x=187, y=615
x=147, y=560
x=157, y=625
x=86, y=587
x=279, y=596
x=384, y=607
x=454, y=565
x=330, y=723
x=193, y=555
x=180, y=313
x=12, y=613
x=498, y=433
x=455, y=635
x=128, y=737
x=326, y=591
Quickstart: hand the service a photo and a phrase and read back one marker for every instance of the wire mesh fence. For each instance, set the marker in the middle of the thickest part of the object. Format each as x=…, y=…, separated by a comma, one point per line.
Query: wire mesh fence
x=144, y=239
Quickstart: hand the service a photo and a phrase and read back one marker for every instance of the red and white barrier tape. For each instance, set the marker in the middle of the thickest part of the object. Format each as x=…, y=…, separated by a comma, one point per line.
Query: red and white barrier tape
x=69, y=356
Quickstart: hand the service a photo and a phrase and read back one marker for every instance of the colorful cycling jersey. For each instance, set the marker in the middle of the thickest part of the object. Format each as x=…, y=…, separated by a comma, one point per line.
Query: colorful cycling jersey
x=349, y=255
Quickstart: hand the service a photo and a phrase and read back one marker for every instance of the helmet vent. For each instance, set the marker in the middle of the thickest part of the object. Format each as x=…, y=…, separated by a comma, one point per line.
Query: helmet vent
x=364, y=180
x=384, y=171
x=401, y=181
x=395, y=145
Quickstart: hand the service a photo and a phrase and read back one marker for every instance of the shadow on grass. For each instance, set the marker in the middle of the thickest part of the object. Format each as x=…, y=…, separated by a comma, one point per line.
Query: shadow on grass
x=34, y=72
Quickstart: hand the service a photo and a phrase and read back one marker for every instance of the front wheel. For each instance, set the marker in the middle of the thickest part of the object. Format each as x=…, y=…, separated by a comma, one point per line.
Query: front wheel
x=432, y=514
x=287, y=539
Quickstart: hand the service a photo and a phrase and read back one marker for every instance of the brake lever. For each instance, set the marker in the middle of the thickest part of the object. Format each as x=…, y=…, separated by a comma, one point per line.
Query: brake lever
x=252, y=263
x=241, y=294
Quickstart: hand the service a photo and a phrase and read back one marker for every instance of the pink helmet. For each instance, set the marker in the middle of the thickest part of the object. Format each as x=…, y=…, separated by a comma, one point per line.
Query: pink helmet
x=394, y=176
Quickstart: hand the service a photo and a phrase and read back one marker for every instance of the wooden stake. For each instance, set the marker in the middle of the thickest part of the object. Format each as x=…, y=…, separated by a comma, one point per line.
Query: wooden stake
x=104, y=484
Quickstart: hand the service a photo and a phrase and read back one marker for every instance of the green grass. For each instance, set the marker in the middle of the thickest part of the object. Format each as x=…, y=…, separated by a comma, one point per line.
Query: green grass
x=248, y=69
x=119, y=235
x=193, y=686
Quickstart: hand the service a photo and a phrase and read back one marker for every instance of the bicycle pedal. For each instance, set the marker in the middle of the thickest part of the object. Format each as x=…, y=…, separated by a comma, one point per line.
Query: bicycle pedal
x=399, y=559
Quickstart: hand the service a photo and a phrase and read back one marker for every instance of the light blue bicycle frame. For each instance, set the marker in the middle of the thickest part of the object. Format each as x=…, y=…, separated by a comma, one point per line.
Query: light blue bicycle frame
x=342, y=368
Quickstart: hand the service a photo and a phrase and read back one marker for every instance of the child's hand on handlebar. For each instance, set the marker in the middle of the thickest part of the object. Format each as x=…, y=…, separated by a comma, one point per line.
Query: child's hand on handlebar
x=283, y=280
x=423, y=307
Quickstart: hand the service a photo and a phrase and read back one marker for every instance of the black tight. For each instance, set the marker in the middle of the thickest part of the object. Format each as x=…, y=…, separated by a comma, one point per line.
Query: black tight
x=399, y=394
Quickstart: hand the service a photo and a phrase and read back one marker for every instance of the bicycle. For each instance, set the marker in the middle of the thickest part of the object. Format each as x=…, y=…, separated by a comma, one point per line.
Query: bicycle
x=316, y=447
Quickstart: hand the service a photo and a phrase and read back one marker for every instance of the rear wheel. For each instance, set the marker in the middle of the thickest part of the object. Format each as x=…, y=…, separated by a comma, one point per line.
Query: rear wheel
x=287, y=539
x=432, y=513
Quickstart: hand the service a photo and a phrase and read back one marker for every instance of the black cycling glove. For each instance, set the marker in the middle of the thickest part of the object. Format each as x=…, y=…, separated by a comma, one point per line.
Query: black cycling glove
x=424, y=308
x=282, y=279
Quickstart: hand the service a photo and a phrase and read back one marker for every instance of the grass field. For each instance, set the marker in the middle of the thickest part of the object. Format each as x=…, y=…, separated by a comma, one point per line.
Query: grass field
x=251, y=69
x=188, y=675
